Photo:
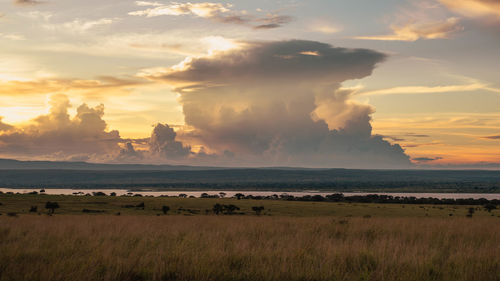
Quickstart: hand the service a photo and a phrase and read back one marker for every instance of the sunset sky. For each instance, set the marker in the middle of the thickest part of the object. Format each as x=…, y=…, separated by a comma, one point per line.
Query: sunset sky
x=354, y=84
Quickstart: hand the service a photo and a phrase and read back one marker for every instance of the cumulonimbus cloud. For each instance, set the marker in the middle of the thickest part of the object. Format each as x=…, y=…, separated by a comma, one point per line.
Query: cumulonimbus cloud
x=280, y=103
x=419, y=30
x=260, y=104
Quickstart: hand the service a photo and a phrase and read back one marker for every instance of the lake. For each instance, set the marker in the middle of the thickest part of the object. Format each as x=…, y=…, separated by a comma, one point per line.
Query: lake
x=231, y=193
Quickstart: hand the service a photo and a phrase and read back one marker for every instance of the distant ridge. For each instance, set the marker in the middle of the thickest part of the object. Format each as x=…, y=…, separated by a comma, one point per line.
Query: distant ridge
x=11, y=164
x=22, y=174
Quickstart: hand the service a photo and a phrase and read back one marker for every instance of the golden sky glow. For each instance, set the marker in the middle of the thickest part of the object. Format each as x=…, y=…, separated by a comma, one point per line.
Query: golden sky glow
x=250, y=83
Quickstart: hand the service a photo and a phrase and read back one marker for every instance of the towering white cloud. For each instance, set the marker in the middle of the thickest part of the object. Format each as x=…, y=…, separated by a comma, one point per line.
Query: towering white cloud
x=279, y=103
x=163, y=143
x=58, y=136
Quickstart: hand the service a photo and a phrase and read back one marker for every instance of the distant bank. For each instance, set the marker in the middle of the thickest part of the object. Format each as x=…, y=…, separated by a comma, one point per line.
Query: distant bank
x=233, y=193
x=81, y=175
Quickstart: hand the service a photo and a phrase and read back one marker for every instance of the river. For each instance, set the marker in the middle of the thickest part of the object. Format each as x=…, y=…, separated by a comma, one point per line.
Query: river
x=231, y=193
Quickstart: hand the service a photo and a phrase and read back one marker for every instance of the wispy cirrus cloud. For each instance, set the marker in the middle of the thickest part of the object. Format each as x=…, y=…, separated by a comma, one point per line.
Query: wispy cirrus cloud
x=46, y=86
x=414, y=31
x=426, y=159
x=214, y=11
x=497, y=137
x=28, y=2
x=10, y=36
x=484, y=10
x=203, y=10
x=79, y=25
x=430, y=90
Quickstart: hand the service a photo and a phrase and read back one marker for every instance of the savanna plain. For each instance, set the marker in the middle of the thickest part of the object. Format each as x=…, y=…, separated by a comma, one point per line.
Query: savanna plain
x=160, y=238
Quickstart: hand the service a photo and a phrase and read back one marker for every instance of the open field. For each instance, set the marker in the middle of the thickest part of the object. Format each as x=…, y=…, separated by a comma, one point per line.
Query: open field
x=289, y=241
x=104, y=247
x=126, y=205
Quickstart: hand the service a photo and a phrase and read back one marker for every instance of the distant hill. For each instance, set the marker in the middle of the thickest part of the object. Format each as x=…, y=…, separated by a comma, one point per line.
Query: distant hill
x=86, y=175
x=10, y=164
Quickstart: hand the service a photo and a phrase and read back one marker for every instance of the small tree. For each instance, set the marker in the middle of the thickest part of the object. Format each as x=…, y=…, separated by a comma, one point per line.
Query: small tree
x=51, y=206
x=217, y=208
x=222, y=194
x=470, y=212
x=239, y=196
x=489, y=207
x=230, y=209
x=33, y=209
x=165, y=209
x=258, y=210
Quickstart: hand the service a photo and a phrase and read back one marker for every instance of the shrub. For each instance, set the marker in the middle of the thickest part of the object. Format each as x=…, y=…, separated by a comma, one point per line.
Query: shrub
x=165, y=209
x=470, y=212
x=99, y=193
x=490, y=207
x=217, y=208
x=33, y=209
x=258, y=210
x=51, y=206
x=230, y=209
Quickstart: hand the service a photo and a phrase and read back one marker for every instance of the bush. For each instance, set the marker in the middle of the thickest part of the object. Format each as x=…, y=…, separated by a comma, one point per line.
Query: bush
x=165, y=209
x=489, y=207
x=51, y=206
x=258, y=210
x=99, y=193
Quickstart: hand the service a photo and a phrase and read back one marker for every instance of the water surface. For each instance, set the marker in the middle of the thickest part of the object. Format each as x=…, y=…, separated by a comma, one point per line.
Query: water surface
x=231, y=193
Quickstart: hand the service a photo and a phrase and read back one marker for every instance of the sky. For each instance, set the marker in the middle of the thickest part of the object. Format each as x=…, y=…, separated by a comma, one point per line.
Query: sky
x=317, y=83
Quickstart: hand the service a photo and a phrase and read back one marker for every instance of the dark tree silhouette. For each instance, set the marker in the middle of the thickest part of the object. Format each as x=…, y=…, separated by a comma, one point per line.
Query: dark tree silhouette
x=239, y=196
x=218, y=208
x=165, y=209
x=470, y=212
x=490, y=207
x=222, y=194
x=51, y=206
x=258, y=210
x=230, y=209
x=33, y=209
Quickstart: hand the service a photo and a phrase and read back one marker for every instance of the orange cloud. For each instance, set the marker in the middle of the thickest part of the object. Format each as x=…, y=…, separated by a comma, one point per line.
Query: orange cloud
x=47, y=86
x=419, y=30
x=481, y=9
x=208, y=10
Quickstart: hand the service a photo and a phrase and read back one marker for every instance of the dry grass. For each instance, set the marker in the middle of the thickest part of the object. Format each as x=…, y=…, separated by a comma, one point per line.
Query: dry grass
x=65, y=247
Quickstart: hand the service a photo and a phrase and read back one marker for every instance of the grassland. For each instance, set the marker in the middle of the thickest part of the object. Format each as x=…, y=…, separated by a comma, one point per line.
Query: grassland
x=290, y=241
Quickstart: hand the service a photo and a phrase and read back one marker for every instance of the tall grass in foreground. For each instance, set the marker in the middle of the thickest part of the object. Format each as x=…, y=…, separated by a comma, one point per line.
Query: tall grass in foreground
x=248, y=248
